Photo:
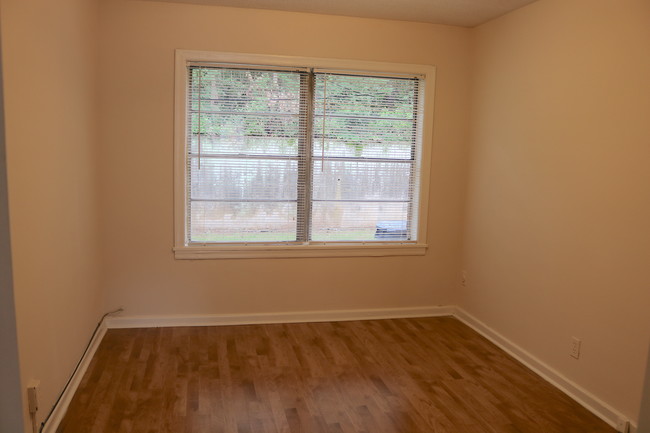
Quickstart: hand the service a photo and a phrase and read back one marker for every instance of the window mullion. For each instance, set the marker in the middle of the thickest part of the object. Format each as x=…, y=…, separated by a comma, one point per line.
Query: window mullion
x=305, y=158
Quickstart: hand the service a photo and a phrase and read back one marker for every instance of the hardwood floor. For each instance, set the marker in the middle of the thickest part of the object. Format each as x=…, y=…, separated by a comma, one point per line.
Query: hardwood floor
x=377, y=376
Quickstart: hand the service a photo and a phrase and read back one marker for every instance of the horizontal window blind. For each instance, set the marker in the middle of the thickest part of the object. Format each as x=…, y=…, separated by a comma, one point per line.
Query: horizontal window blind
x=296, y=156
x=245, y=128
x=364, y=158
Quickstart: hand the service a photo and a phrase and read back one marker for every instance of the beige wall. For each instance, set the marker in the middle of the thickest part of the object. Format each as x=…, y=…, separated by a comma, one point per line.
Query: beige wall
x=557, y=229
x=49, y=60
x=138, y=39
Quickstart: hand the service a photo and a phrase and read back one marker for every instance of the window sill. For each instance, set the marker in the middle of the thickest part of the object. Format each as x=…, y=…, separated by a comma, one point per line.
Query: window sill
x=297, y=251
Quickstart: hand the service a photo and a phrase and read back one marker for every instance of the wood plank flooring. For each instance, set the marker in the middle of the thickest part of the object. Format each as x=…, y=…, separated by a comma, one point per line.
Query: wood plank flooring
x=430, y=375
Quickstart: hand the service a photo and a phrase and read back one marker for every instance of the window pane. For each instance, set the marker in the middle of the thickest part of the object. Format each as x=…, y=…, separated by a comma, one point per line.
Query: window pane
x=250, y=178
x=365, y=96
x=359, y=180
x=251, y=135
x=357, y=221
x=243, y=179
x=253, y=115
x=363, y=138
x=244, y=91
x=242, y=222
x=244, y=111
x=368, y=117
x=364, y=169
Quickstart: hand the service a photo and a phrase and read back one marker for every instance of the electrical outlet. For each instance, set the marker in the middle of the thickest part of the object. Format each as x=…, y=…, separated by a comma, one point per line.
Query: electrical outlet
x=575, y=347
x=463, y=278
x=623, y=426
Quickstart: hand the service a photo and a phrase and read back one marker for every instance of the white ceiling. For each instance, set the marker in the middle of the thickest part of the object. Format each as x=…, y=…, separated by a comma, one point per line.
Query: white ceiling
x=466, y=13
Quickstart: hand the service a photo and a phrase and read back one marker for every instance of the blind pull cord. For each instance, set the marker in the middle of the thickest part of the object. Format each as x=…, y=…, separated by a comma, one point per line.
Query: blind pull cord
x=199, y=123
x=322, y=156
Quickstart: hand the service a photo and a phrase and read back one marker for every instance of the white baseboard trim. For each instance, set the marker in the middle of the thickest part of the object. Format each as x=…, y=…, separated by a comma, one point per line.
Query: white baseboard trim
x=589, y=401
x=266, y=318
x=61, y=407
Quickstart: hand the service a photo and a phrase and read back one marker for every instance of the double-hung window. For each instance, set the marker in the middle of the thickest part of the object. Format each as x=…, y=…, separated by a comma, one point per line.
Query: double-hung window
x=294, y=157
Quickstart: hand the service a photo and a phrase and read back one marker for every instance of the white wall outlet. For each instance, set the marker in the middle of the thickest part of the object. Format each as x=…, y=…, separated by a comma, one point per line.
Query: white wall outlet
x=32, y=395
x=623, y=426
x=463, y=278
x=575, y=347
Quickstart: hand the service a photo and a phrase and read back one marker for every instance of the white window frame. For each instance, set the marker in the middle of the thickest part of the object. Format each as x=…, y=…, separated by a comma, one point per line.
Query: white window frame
x=314, y=249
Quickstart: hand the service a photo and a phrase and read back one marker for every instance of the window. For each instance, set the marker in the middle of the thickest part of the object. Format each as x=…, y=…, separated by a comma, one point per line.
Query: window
x=280, y=156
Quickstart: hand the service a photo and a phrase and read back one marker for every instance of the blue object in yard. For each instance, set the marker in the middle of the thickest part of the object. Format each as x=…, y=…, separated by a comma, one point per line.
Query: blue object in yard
x=393, y=230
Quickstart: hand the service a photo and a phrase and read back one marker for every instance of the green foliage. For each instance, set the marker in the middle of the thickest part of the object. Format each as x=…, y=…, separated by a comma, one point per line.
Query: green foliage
x=358, y=148
x=357, y=111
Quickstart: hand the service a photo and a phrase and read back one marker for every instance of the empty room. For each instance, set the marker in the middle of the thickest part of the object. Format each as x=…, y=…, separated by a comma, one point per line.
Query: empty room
x=325, y=216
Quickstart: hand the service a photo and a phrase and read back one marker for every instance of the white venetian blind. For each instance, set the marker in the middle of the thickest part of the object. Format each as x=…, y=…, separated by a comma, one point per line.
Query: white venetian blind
x=365, y=168
x=288, y=155
x=244, y=133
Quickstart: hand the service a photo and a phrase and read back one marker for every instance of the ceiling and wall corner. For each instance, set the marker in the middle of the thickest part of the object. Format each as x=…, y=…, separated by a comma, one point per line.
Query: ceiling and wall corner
x=464, y=13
